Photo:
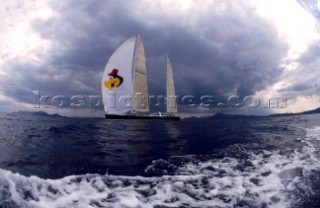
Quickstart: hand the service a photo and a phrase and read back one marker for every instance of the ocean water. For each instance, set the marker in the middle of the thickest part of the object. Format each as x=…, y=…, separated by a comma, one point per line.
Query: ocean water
x=80, y=162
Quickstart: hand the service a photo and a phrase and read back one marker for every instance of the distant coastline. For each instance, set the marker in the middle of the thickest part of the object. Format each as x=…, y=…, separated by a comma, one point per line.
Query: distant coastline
x=221, y=115
x=215, y=116
x=241, y=116
x=37, y=113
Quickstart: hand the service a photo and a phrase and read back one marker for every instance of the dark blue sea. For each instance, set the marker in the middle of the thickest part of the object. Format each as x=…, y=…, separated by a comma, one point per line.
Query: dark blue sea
x=59, y=162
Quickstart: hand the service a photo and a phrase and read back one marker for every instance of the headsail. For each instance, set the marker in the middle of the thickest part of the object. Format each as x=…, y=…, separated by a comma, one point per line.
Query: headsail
x=140, y=89
x=171, y=94
x=117, y=79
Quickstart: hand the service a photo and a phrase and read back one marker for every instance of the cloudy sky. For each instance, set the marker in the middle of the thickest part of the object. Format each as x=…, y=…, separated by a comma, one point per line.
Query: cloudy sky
x=262, y=48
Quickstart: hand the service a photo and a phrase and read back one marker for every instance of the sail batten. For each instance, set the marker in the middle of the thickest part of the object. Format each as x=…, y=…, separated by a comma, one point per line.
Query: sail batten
x=171, y=94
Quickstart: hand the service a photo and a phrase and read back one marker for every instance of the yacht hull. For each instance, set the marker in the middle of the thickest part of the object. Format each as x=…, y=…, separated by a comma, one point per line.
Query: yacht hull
x=142, y=117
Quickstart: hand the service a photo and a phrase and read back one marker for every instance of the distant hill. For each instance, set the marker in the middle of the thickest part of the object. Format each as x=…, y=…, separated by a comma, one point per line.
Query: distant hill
x=37, y=113
x=235, y=116
x=317, y=110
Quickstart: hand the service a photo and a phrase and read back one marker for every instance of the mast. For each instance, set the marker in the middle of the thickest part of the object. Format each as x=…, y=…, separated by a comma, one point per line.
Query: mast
x=140, y=101
x=171, y=95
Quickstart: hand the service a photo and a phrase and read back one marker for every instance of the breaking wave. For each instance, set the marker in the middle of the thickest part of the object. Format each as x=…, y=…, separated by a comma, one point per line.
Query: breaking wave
x=263, y=179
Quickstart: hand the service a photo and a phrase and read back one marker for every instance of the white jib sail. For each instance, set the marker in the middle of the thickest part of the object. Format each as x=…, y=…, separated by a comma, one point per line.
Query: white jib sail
x=171, y=95
x=140, y=89
x=117, y=81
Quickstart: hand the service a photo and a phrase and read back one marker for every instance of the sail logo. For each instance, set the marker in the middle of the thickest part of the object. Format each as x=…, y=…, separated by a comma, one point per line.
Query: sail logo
x=114, y=81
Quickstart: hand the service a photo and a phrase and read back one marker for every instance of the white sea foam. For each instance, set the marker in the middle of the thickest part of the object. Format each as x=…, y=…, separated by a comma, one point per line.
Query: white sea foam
x=267, y=179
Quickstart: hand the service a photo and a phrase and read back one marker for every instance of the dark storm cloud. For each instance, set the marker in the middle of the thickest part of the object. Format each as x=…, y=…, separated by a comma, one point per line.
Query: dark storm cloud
x=218, y=53
x=4, y=103
x=299, y=87
x=311, y=55
x=305, y=80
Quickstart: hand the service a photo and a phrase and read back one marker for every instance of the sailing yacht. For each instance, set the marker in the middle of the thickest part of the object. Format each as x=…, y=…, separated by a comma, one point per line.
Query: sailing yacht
x=124, y=85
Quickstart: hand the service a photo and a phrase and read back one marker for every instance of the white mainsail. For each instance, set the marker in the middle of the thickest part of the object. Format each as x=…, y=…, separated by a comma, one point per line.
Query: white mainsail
x=140, y=89
x=171, y=95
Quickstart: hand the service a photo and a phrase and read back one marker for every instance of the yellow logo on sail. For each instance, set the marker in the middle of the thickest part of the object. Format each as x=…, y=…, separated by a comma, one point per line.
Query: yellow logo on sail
x=115, y=80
